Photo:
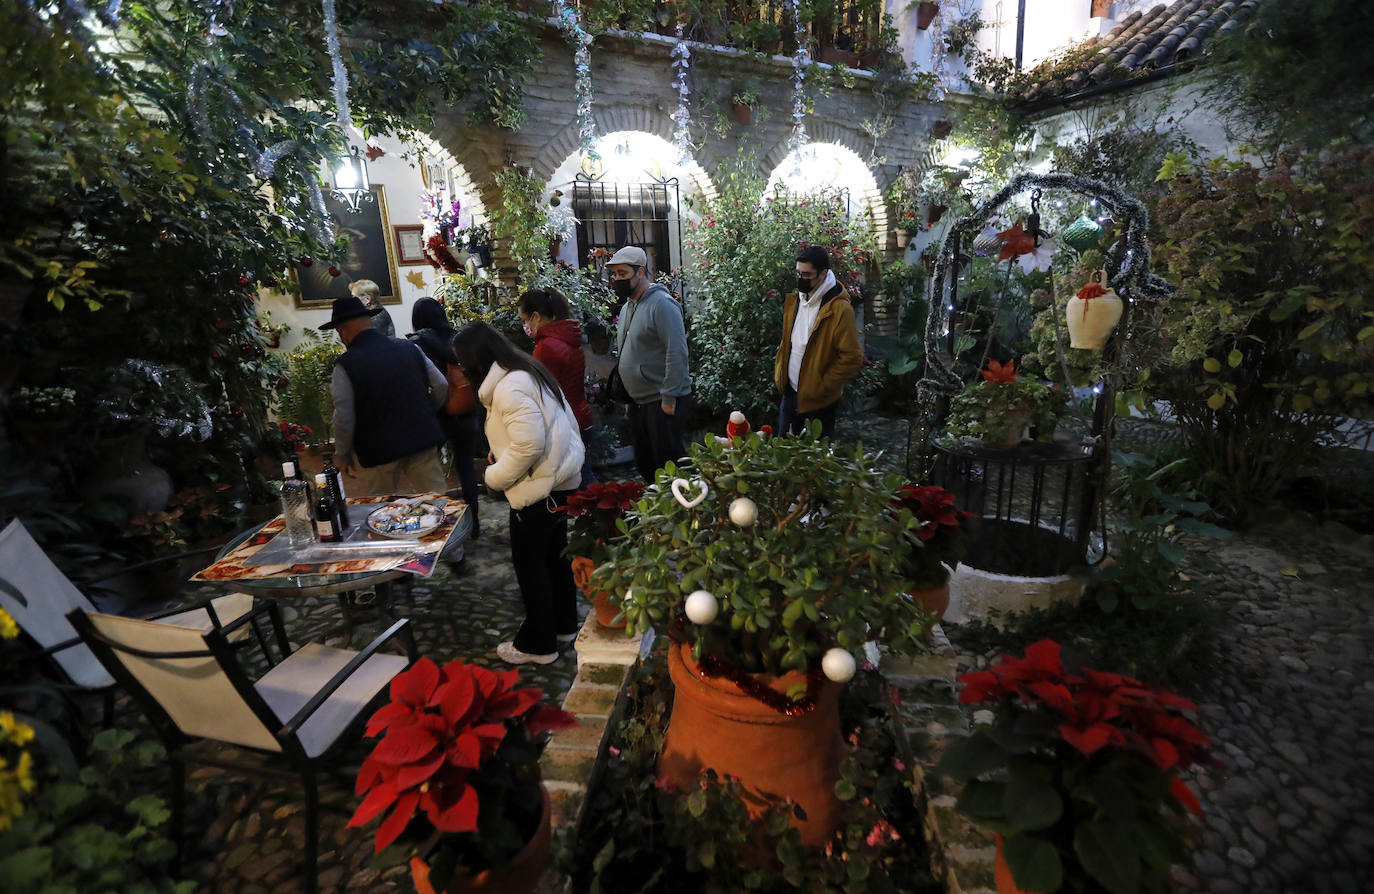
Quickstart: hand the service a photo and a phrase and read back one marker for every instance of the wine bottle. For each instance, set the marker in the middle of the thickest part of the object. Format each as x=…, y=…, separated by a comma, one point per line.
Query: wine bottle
x=326, y=512
x=295, y=508
x=331, y=472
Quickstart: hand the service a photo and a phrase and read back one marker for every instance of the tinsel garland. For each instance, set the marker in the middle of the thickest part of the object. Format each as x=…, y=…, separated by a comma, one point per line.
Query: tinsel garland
x=570, y=20
x=937, y=57
x=1129, y=258
x=682, y=60
x=800, y=59
x=711, y=666
x=340, y=74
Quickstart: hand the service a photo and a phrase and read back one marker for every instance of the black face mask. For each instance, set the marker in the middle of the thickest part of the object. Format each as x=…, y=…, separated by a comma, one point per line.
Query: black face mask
x=803, y=284
x=623, y=288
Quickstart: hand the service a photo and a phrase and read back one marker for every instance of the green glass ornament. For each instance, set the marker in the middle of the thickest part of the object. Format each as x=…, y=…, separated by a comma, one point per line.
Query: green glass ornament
x=1082, y=234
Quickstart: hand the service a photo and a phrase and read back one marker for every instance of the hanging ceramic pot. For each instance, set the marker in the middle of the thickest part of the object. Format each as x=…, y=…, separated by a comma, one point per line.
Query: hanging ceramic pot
x=1092, y=314
x=1082, y=234
x=903, y=237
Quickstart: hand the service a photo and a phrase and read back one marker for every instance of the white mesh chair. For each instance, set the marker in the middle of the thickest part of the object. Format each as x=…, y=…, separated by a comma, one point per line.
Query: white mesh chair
x=39, y=595
x=194, y=691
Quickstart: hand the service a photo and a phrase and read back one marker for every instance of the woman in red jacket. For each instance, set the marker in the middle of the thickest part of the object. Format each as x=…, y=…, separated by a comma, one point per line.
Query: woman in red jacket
x=558, y=345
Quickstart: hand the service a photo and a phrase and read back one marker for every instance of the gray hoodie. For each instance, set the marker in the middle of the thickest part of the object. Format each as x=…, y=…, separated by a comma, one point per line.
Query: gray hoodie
x=652, y=344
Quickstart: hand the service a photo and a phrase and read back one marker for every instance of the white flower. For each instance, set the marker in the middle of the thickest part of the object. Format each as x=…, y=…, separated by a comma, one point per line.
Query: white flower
x=1040, y=258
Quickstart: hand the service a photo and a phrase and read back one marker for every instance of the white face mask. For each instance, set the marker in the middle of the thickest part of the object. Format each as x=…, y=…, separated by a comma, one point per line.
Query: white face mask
x=529, y=330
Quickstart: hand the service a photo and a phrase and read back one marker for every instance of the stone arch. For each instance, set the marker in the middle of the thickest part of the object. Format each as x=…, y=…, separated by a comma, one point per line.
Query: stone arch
x=845, y=168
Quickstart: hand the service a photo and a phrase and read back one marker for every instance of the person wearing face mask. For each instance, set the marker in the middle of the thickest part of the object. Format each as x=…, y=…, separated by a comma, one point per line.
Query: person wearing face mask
x=652, y=343
x=557, y=337
x=820, y=350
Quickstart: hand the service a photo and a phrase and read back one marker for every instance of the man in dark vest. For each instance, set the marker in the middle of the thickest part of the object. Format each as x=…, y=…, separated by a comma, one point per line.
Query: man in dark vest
x=385, y=396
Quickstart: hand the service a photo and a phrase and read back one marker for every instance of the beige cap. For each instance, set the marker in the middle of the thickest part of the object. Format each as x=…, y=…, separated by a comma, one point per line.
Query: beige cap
x=630, y=254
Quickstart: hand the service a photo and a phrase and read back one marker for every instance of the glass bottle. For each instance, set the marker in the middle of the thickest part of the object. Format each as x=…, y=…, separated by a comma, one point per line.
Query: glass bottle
x=326, y=512
x=295, y=508
x=331, y=472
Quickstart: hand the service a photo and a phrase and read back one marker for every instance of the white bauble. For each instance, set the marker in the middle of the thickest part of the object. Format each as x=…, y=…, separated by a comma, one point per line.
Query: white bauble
x=743, y=512
x=702, y=607
x=838, y=665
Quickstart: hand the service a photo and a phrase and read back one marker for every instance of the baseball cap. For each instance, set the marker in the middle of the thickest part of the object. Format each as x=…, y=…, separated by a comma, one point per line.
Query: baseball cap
x=632, y=255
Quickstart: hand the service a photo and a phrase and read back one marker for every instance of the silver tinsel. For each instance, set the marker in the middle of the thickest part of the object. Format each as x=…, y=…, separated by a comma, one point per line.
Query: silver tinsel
x=570, y=21
x=682, y=60
x=800, y=59
x=331, y=42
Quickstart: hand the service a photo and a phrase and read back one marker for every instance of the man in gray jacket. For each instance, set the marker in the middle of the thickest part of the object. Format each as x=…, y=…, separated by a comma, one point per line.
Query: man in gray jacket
x=652, y=343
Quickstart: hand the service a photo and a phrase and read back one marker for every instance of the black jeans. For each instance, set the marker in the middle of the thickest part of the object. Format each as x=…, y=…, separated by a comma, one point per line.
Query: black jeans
x=538, y=536
x=657, y=437
x=790, y=422
x=461, y=432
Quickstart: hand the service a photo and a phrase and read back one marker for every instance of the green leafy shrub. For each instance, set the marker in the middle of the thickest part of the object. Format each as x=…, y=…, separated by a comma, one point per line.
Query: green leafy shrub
x=308, y=400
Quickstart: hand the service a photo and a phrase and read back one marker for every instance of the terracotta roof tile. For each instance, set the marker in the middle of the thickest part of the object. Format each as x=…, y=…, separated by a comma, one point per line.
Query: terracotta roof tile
x=1142, y=42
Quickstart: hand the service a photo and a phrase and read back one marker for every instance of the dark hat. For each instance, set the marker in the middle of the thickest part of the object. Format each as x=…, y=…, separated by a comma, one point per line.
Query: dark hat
x=347, y=308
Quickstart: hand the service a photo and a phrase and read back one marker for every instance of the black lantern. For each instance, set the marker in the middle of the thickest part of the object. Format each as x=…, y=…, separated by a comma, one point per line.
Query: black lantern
x=350, y=180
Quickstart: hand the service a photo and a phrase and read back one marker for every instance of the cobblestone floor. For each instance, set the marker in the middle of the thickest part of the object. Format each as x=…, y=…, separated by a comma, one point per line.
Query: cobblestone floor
x=1289, y=704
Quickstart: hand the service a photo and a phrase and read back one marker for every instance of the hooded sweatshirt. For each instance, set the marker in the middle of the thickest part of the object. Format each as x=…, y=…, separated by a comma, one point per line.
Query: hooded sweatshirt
x=558, y=345
x=653, y=348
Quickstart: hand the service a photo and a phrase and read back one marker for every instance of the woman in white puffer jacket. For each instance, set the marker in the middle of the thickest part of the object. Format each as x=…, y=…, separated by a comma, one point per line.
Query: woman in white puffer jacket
x=536, y=461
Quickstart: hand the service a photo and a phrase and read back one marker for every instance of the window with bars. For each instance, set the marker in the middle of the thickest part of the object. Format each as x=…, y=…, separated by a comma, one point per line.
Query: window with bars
x=613, y=215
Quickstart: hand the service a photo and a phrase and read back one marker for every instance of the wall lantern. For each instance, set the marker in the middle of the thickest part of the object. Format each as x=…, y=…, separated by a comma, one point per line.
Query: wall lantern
x=350, y=180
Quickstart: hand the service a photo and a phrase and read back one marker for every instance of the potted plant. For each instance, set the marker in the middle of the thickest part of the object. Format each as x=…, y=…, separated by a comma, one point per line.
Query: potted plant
x=1078, y=774
x=925, y=13
x=906, y=228
x=1000, y=408
x=457, y=775
x=744, y=99
x=936, y=546
x=307, y=400
x=769, y=569
x=595, y=511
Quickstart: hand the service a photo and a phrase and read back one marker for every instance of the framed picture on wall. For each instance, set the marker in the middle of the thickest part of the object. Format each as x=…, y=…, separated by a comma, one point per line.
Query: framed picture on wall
x=410, y=247
x=371, y=255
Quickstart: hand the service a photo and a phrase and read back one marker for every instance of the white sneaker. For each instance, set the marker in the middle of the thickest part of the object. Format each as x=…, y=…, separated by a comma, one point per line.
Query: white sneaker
x=511, y=655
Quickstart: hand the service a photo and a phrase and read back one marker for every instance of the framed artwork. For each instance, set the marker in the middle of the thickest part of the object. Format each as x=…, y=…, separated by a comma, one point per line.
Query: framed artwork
x=410, y=247
x=371, y=255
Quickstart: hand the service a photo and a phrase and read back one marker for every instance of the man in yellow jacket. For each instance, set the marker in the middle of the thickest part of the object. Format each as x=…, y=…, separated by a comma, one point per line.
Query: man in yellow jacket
x=820, y=350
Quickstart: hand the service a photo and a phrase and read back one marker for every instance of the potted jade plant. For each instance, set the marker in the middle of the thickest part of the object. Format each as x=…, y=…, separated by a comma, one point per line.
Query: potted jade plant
x=936, y=546
x=456, y=774
x=1000, y=408
x=595, y=511
x=769, y=564
x=1078, y=774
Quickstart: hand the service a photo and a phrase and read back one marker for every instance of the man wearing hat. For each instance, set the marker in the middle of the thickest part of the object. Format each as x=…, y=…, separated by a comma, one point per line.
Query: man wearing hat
x=652, y=344
x=386, y=393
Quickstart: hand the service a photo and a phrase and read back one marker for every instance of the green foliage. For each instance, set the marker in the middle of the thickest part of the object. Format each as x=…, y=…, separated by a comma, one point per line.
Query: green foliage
x=1147, y=533
x=644, y=835
x=93, y=830
x=520, y=219
x=1269, y=338
x=998, y=412
x=795, y=583
x=745, y=249
x=588, y=295
x=308, y=400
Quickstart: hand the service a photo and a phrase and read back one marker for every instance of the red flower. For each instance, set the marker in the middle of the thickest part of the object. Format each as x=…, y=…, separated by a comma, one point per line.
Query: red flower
x=997, y=374
x=932, y=505
x=441, y=726
x=1015, y=241
x=334, y=271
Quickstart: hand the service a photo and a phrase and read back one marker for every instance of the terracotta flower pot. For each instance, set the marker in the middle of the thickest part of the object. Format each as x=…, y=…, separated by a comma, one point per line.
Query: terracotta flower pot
x=743, y=113
x=606, y=611
x=935, y=599
x=1002, y=874
x=903, y=238
x=935, y=212
x=715, y=724
x=925, y=14
x=520, y=876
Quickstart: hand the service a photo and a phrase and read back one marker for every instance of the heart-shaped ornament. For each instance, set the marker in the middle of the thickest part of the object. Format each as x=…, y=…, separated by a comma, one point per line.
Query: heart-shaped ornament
x=679, y=487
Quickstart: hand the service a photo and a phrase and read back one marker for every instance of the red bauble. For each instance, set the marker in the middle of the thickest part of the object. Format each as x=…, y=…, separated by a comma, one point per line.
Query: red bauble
x=244, y=280
x=334, y=271
x=306, y=262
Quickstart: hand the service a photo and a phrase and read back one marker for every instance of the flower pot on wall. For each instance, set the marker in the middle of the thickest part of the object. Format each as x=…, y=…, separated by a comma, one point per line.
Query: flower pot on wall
x=1101, y=8
x=743, y=112
x=925, y=13
x=941, y=129
x=716, y=724
x=520, y=876
x=935, y=212
x=903, y=237
x=606, y=611
x=934, y=599
x=837, y=56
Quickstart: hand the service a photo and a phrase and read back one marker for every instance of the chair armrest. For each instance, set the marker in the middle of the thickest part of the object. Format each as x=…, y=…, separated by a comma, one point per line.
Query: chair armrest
x=400, y=628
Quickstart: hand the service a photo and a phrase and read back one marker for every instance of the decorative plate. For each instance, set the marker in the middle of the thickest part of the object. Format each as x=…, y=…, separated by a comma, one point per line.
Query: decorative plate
x=405, y=519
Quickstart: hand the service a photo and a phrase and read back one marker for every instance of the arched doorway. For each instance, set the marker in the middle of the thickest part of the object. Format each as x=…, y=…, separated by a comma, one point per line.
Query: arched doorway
x=831, y=166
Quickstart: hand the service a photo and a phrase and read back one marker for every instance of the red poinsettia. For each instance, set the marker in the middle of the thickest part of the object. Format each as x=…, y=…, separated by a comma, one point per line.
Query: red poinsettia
x=999, y=374
x=594, y=510
x=442, y=729
x=938, y=541
x=1015, y=242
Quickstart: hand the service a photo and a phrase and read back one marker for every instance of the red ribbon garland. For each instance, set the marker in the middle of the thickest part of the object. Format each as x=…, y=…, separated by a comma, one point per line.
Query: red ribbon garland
x=1091, y=290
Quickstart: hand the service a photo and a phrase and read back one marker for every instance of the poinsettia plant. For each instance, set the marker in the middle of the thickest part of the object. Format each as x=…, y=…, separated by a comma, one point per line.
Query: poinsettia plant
x=594, y=511
x=456, y=772
x=1000, y=407
x=1078, y=773
x=939, y=540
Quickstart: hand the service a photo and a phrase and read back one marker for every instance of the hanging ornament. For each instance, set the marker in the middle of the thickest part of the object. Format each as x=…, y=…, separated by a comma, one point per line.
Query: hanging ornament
x=1092, y=314
x=744, y=512
x=570, y=20
x=838, y=665
x=682, y=116
x=702, y=607
x=679, y=487
x=738, y=426
x=800, y=59
x=1082, y=234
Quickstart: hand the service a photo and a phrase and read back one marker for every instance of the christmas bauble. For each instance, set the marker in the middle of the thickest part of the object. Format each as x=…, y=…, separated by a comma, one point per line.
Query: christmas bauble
x=1082, y=234
x=702, y=607
x=838, y=665
x=743, y=512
